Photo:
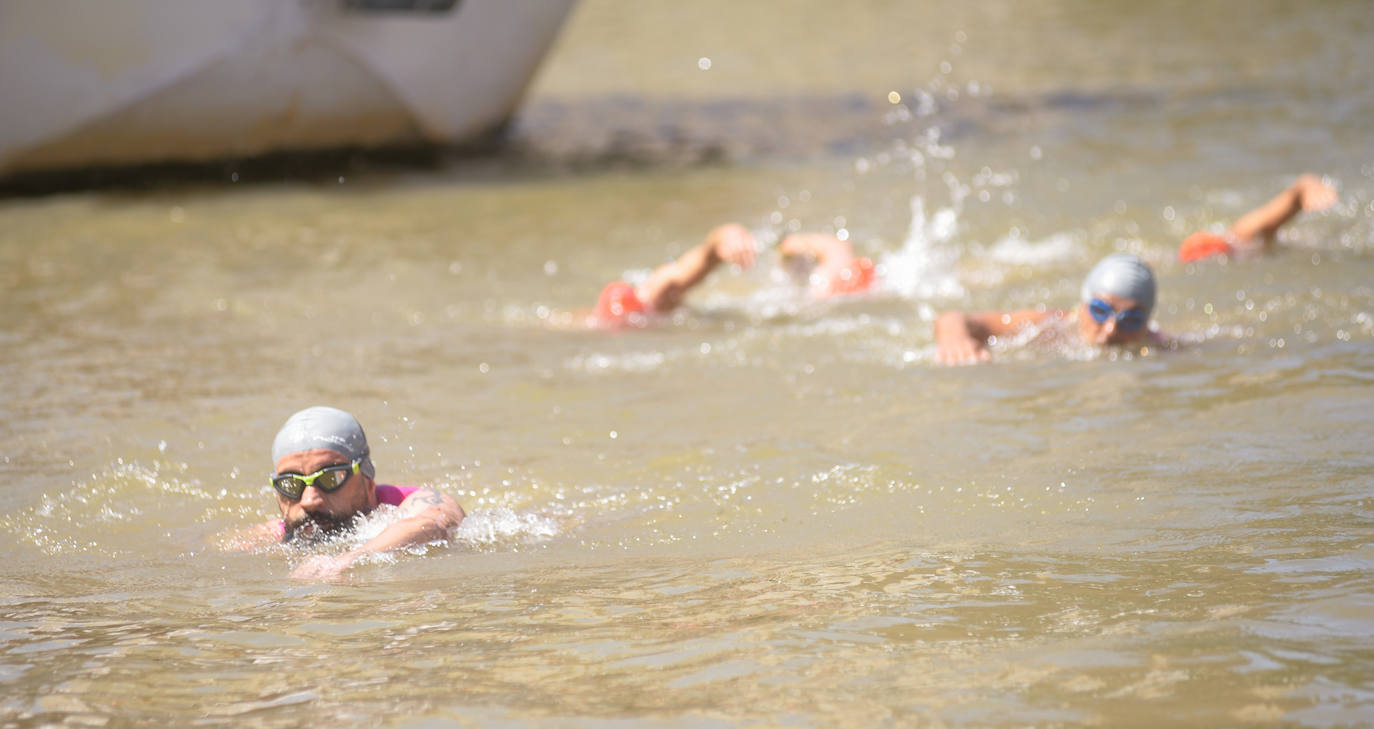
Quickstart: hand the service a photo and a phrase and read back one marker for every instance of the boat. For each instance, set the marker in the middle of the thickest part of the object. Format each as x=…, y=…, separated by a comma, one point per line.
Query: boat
x=132, y=82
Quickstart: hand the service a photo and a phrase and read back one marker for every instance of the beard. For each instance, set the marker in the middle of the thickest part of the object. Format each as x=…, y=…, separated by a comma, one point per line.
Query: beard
x=317, y=528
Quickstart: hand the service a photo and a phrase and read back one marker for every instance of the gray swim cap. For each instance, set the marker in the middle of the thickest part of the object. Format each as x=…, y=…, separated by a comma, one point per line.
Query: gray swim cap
x=1124, y=275
x=322, y=427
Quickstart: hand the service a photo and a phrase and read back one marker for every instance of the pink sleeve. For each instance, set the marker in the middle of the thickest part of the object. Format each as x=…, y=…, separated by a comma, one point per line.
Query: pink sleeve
x=394, y=495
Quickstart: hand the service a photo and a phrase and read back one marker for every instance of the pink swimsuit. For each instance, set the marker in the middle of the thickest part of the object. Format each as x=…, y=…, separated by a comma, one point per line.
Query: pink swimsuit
x=394, y=495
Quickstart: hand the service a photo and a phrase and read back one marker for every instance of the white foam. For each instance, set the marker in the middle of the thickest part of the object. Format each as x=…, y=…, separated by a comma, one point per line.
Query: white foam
x=1015, y=250
x=925, y=266
x=502, y=527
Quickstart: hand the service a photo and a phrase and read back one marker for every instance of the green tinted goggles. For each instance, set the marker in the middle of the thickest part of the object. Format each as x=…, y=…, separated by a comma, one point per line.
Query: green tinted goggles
x=328, y=479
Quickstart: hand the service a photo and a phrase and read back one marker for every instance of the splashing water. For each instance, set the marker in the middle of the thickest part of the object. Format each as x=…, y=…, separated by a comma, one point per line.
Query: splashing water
x=926, y=265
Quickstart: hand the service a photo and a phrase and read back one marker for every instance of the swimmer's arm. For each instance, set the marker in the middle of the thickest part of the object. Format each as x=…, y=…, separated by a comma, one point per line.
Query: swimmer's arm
x=1260, y=225
x=819, y=246
x=426, y=516
x=666, y=286
x=830, y=253
x=962, y=337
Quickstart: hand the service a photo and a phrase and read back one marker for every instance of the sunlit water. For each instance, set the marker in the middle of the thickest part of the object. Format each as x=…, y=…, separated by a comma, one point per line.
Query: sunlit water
x=763, y=510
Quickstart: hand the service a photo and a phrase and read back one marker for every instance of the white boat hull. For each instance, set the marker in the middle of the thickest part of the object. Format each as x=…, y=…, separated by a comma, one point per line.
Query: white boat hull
x=87, y=83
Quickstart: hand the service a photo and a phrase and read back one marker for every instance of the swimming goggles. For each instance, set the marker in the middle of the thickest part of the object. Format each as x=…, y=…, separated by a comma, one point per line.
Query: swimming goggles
x=1127, y=321
x=328, y=479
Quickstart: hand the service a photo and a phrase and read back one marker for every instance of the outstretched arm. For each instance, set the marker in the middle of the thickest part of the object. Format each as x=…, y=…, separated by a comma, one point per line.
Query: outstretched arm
x=826, y=249
x=832, y=256
x=1258, y=226
x=426, y=516
x=665, y=287
x=962, y=338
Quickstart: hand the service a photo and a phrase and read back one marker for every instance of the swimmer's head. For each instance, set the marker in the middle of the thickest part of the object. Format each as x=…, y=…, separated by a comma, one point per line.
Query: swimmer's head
x=1118, y=296
x=618, y=301
x=1124, y=276
x=324, y=428
x=1202, y=244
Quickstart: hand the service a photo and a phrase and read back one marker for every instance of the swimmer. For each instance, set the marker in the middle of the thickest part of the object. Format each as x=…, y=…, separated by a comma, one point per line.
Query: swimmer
x=827, y=261
x=621, y=303
x=324, y=478
x=1116, y=301
x=1256, y=231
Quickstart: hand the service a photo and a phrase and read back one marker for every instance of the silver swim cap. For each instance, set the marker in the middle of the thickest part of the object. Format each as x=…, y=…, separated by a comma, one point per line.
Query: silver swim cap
x=1124, y=275
x=322, y=427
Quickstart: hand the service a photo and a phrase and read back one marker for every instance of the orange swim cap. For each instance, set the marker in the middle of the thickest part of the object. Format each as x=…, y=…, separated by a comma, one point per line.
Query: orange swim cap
x=618, y=301
x=853, y=278
x=1200, y=245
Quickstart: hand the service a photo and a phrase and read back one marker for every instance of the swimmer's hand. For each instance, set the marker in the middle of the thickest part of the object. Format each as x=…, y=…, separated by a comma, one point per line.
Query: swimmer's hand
x=955, y=343
x=325, y=567
x=733, y=243
x=1314, y=193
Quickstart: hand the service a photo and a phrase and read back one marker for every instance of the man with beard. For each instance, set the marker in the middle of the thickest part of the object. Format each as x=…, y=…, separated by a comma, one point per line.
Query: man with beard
x=324, y=479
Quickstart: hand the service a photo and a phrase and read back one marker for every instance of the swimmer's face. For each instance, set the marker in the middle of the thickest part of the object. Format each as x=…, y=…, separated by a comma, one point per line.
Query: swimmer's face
x=1109, y=331
x=798, y=268
x=328, y=511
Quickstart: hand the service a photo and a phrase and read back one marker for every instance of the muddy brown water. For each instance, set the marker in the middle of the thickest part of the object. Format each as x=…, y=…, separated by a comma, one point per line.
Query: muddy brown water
x=764, y=511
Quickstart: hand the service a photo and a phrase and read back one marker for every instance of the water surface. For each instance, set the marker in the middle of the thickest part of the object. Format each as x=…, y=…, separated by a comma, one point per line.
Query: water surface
x=764, y=510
